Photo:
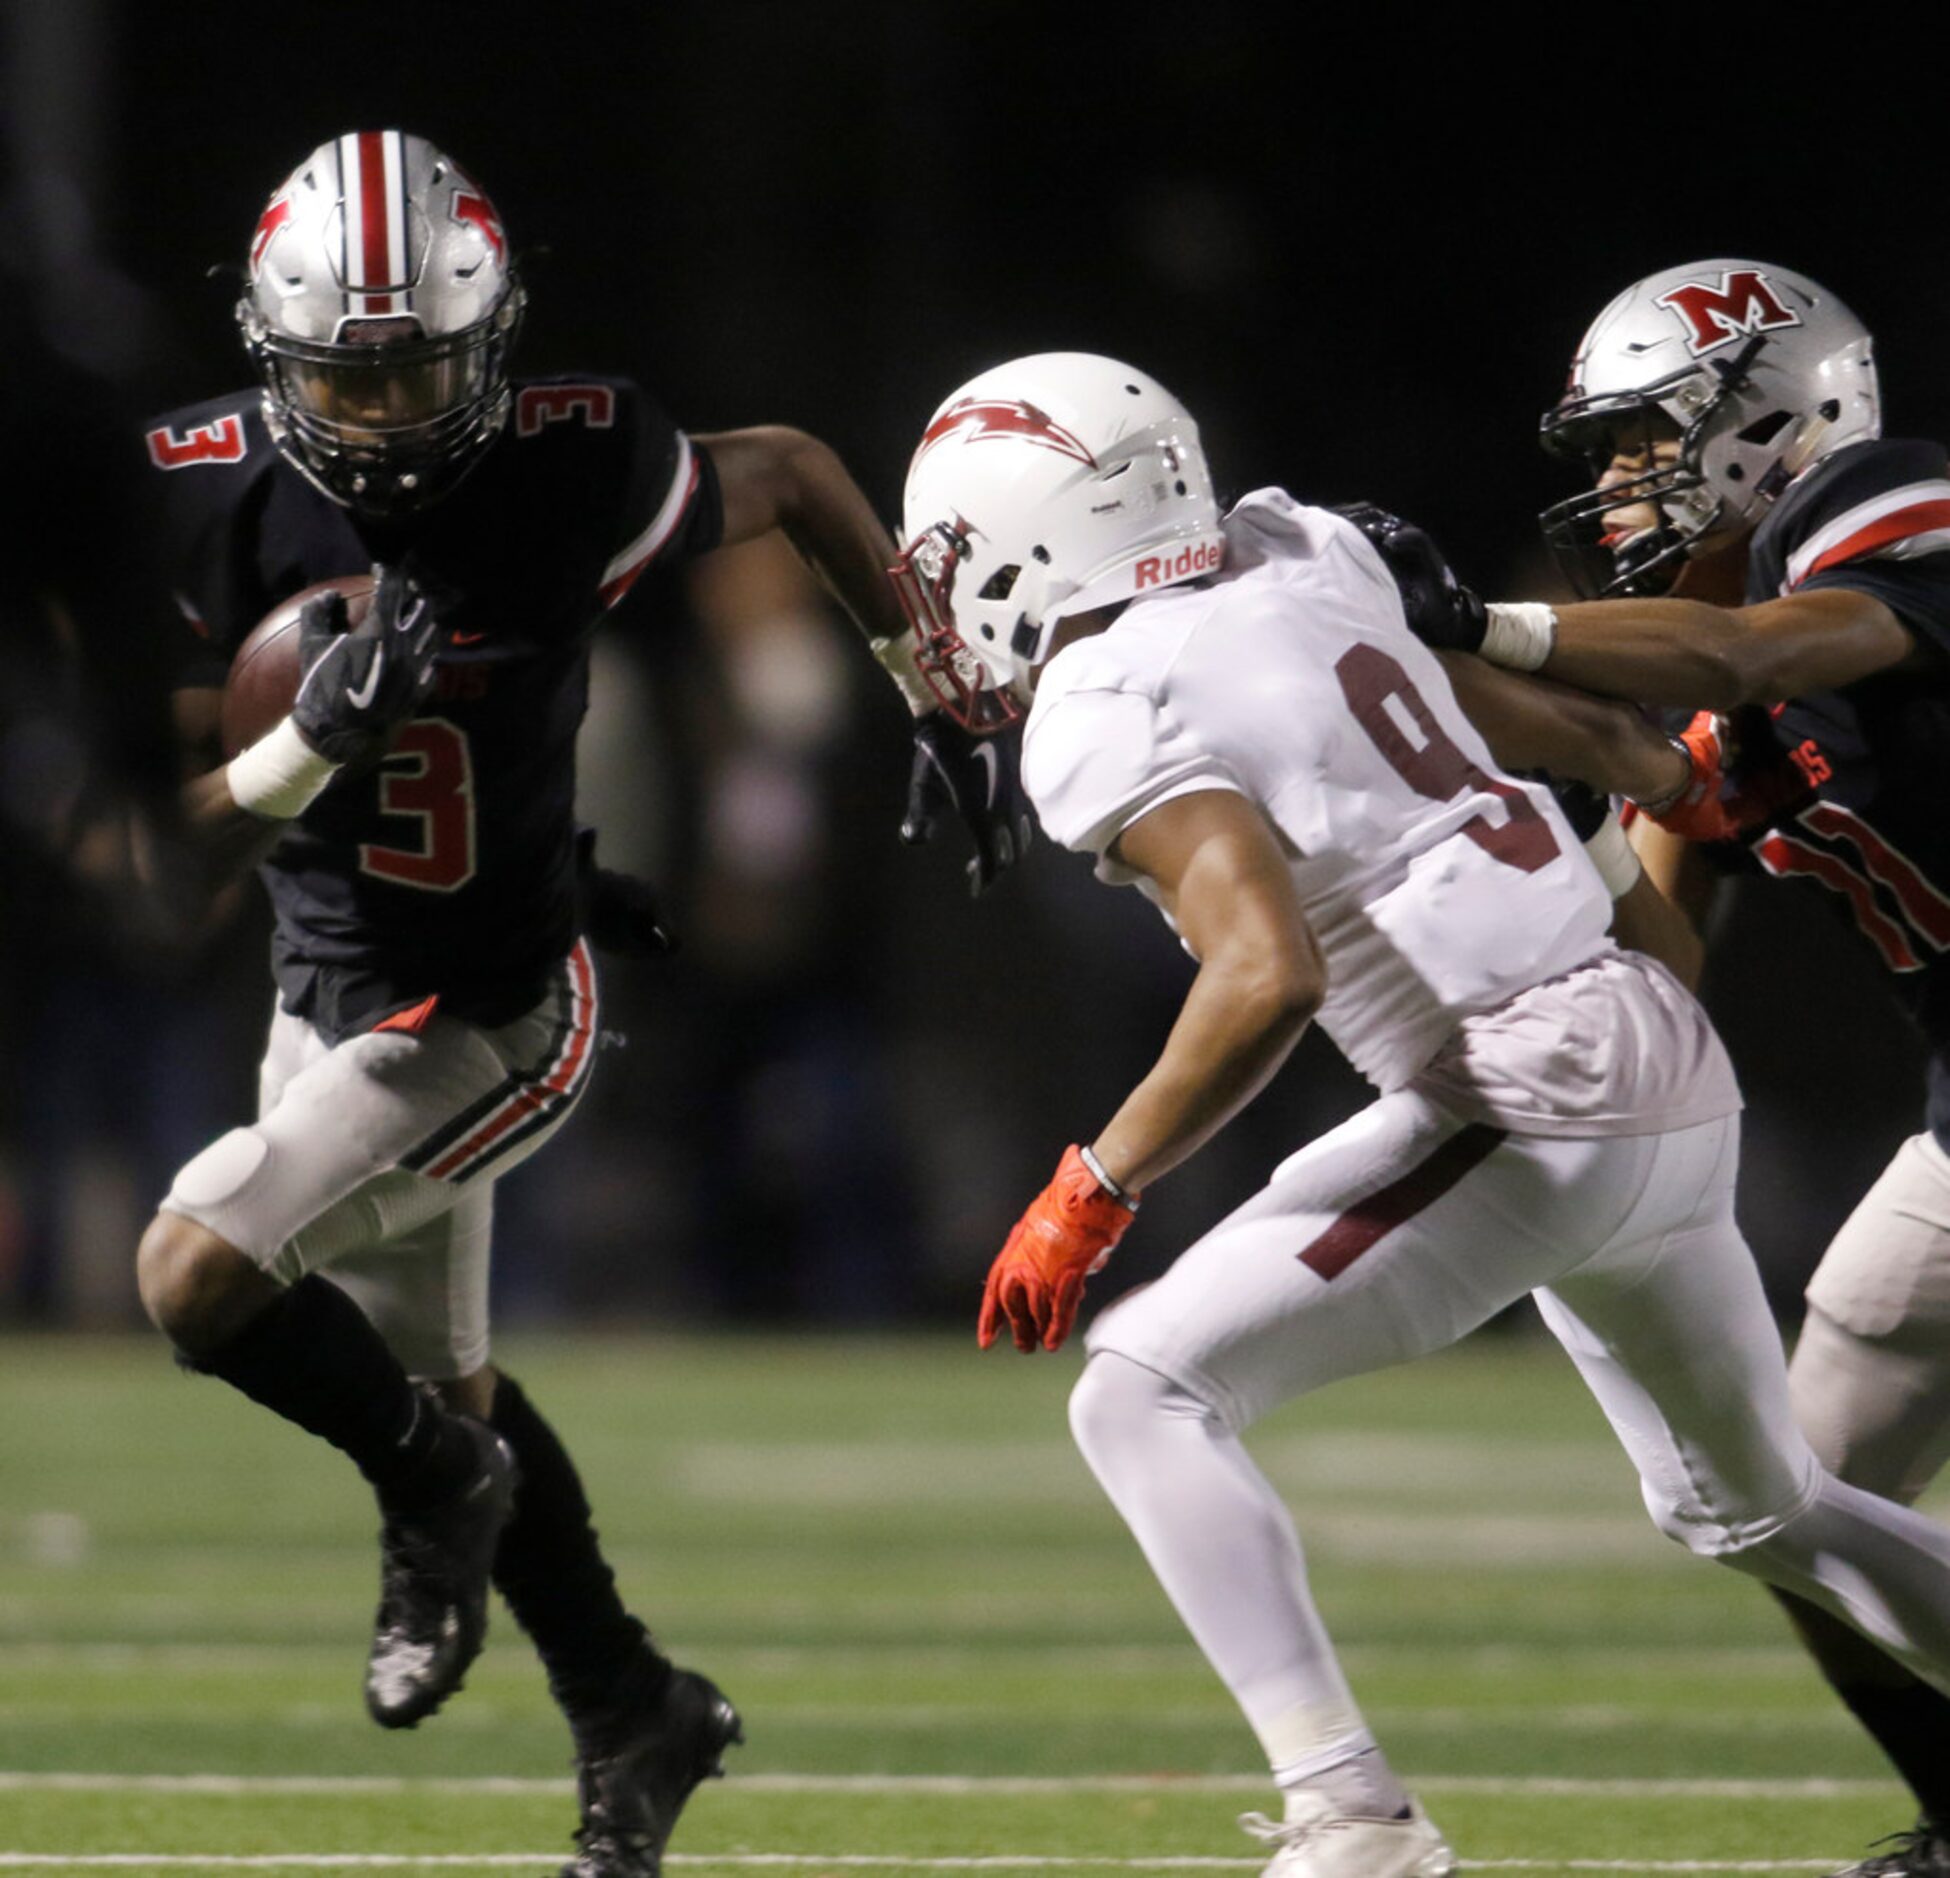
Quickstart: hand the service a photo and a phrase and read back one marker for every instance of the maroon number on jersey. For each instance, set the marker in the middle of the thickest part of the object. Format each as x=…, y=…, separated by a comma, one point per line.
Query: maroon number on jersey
x=264, y=675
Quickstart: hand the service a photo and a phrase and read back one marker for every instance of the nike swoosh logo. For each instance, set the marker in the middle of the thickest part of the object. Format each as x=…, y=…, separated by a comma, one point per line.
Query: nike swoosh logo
x=987, y=753
x=362, y=698
x=466, y=639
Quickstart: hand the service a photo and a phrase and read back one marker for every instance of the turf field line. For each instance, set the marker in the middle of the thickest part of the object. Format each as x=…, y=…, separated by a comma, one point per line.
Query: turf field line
x=315, y=1861
x=942, y=1785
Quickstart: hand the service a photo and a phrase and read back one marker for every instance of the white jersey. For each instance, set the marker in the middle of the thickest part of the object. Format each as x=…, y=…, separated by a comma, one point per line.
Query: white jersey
x=1439, y=888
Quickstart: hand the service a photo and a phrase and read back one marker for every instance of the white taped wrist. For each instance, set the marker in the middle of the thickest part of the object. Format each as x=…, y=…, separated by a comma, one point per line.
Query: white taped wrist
x=1614, y=857
x=280, y=775
x=1519, y=634
x=896, y=658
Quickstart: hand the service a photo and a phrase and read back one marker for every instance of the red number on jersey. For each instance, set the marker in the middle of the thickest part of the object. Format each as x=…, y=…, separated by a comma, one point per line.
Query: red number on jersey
x=429, y=777
x=221, y=442
x=1435, y=768
x=537, y=405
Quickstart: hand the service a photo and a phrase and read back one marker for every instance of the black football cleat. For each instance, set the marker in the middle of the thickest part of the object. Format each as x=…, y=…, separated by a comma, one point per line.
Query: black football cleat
x=1922, y=1852
x=635, y=1768
x=433, y=1589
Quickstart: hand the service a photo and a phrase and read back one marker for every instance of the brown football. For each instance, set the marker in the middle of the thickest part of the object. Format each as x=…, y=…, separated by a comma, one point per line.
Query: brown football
x=264, y=675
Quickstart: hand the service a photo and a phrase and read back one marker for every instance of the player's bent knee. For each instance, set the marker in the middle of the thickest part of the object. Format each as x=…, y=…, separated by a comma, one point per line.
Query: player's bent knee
x=197, y=1288
x=1114, y=1400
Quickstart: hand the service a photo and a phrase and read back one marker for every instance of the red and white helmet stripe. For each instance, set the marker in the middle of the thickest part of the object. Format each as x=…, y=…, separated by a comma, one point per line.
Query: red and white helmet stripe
x=375, y=265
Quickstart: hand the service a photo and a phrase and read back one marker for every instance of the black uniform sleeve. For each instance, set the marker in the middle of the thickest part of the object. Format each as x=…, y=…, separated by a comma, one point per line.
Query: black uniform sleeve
x=671, y=507
x=1917, y=592
x=1868, y=521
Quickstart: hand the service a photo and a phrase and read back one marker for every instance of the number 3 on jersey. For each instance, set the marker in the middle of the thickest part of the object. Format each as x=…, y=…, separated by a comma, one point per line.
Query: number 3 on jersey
x=428, y=777
x=1371, y=681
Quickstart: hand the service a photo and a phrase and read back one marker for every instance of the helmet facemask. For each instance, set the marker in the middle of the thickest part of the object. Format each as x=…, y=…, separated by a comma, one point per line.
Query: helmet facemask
x=1599, y=552
x=386, y=421
x=972, y=690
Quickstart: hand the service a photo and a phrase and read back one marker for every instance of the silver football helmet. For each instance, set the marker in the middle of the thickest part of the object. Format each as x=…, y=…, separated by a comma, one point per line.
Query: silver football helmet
x=1042, y=488
x=1698, y=395
x=381, y=307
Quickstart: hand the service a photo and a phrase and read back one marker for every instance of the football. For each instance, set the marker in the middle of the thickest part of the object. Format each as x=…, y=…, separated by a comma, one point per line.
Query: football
x=263, y=678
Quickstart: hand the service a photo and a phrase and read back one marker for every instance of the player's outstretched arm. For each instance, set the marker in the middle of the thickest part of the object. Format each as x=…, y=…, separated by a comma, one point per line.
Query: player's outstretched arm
x=1224, y=880
x=1688, y=652
x=772, y=477
x=1673, y=650
x=1535, y=723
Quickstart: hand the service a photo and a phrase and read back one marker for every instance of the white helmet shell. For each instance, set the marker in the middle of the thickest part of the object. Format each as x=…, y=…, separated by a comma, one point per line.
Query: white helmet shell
x=1762, y=371
x=1045, y=487
x=381, y=305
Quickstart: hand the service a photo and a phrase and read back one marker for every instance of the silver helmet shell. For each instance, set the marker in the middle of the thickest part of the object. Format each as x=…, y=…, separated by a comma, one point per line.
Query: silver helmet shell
x=1044, y=487
x=381, y=306
x=1757, y=372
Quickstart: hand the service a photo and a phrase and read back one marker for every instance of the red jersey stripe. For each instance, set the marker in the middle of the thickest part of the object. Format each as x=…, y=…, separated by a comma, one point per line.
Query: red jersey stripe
x=1918, y=519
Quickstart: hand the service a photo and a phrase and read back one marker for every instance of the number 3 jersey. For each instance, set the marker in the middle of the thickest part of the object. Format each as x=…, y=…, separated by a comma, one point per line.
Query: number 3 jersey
x=1463, y=928
x=448, y=871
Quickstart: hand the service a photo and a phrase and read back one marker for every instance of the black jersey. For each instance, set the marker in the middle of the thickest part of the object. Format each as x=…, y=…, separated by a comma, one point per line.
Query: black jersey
x=1856, y=782
x=449, y=871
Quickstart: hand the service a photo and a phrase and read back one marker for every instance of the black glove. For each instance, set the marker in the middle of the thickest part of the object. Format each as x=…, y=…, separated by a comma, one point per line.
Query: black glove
x=618, y=913
x=1584, y=808
x=360, y=685
x=980, y=779
x=1441, y=611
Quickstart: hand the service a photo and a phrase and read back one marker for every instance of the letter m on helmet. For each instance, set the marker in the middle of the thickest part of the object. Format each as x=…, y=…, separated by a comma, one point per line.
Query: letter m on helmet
x=1744, y=303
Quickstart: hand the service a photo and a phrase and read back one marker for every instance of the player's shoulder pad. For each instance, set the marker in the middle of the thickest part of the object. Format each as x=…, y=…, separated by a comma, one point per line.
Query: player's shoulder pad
x=220, y=434
x=1864, y=500
x=1098, y=752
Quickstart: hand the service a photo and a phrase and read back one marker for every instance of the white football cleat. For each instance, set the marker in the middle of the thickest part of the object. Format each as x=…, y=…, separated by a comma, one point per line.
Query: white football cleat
x=1321, y=1843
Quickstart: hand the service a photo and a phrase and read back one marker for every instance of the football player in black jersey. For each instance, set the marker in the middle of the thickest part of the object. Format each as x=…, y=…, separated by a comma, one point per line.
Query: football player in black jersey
x=436, y=1016
x=1756, y=551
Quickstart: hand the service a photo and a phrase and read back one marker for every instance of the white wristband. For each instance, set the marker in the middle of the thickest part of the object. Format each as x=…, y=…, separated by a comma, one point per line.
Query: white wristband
x=1519, y=634
x=1614, y=857
x=896, y=656
x=1119, y=1194
x=280, y=775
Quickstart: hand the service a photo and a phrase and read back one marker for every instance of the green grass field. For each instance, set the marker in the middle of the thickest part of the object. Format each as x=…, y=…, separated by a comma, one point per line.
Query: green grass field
x=946, y=1649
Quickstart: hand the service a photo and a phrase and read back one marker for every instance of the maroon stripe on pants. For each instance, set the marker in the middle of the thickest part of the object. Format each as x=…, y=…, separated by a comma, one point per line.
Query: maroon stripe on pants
x=1380, y=1213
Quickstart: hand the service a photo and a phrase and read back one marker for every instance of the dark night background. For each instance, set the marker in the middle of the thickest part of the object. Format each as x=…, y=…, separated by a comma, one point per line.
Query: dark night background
x=1361, y=249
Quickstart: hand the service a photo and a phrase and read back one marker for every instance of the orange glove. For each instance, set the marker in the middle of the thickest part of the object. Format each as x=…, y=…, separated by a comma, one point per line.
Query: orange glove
x=1037, y=1278
x=1704, y=809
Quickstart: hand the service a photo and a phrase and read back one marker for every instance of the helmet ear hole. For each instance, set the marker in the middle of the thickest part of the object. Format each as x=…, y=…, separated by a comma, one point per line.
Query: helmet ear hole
x=1763, y=430
x=1000, y=584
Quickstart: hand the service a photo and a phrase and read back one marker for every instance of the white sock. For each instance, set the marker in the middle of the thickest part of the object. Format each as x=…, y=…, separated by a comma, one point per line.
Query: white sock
x=1361, y=1784
x=1224, y=1548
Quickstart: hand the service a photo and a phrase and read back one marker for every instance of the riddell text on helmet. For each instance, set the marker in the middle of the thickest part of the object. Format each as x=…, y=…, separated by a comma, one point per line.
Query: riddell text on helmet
x=1201, y=558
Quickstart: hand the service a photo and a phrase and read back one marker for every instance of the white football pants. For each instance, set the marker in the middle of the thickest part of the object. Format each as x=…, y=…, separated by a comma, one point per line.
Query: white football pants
x=1398, y=1233
x=374, y=1161
x=1871, y=1373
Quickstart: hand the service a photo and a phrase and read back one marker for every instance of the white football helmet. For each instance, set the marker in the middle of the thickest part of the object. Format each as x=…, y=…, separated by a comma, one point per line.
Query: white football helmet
x=381, y=306
x=1042, y=488
x=1758, y=370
